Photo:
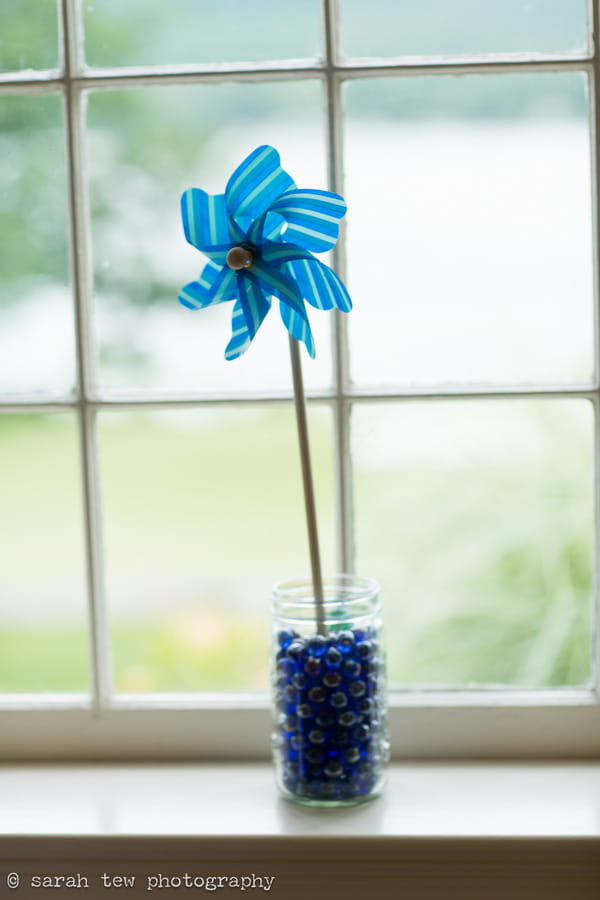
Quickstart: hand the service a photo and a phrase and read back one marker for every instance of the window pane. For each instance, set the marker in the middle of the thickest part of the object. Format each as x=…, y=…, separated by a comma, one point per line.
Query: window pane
x=477, y=518
x=469, y=230
x=203, y=513
x=198, y=31
x=36, y=316
x=148, y=146
x=43, y=640
x=438, y=27
x=28, y=35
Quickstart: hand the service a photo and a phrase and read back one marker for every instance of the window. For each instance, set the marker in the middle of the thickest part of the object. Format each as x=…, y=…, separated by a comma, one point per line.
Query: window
x=453, y=415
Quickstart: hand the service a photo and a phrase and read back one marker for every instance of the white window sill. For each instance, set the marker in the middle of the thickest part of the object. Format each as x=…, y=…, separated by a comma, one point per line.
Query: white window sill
x=526, y=829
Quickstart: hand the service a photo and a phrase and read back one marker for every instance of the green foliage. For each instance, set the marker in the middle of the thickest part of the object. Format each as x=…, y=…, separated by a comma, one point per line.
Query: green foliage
x=198, y=31
x=33, y=217
x=194, y=651
x=169, y=656
x=43, y=658
x=436, y=27
x=28, y=35
x=486, y=570
x=486, y=558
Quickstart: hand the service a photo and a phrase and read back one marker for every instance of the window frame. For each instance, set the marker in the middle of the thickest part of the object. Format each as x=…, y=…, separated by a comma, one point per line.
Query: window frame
x=461, y=723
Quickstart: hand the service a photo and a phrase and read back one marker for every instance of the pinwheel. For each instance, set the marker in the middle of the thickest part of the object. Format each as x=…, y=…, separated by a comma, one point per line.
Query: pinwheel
x=260, y=237
x=329, y=738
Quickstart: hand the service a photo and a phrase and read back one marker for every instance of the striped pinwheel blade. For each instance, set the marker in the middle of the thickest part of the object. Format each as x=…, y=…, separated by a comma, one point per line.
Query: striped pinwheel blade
x=274, y=282
x=298, y=327
x=313, y=218
x=255, y=184
x=319, y=284
x=272, y=227
x=276, y=253
x=248, y=315
x=206, y=225
x=214, y=285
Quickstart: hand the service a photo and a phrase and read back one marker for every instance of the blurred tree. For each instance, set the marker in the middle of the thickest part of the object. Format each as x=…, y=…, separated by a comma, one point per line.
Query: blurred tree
x=28, y=35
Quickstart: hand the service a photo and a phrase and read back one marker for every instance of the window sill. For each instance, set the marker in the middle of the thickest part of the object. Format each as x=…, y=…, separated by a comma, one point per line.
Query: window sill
x=490, y=829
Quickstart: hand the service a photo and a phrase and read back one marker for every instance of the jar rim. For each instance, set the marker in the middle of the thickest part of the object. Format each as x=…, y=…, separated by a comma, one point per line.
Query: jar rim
x=352, y=587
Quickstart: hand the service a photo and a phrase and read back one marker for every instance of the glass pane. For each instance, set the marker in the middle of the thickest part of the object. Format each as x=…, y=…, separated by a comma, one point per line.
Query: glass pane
x=469, y=230
x=28, y=35
x=36, y=316
x=43, y=639
x=477, y=518
x=149, y=32
x=147, y=146
x=442, y=27
x=203, y=513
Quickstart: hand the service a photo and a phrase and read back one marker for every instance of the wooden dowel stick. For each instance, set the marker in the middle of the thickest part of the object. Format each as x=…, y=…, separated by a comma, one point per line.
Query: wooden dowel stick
x=307, y=483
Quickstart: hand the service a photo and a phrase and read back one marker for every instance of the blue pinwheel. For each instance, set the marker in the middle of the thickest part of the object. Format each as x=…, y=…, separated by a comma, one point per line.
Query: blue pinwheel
x=259, y=237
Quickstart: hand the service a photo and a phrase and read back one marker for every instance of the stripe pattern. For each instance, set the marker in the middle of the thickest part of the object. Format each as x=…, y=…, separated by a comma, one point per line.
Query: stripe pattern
x=249, y=312
x=215, y=285
x=255, y=184
x=272, y=227
x=297, y=325
x=276, y=253
x=313, y=218
x=206, y=224
x=319, y=284
x=294, y=316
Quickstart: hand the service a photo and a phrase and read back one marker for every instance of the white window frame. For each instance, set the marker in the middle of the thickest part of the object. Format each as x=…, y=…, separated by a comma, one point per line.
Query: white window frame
x=485, y=723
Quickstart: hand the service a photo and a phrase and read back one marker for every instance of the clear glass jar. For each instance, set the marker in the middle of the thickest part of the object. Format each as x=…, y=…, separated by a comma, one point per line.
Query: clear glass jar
x=330, y=738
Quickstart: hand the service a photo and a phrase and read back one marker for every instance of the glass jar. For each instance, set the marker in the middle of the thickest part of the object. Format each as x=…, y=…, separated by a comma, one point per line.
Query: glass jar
x=330, y=739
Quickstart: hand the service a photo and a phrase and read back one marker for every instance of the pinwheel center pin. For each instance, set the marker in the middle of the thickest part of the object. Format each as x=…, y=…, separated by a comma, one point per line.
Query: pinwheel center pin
x=239, y=258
